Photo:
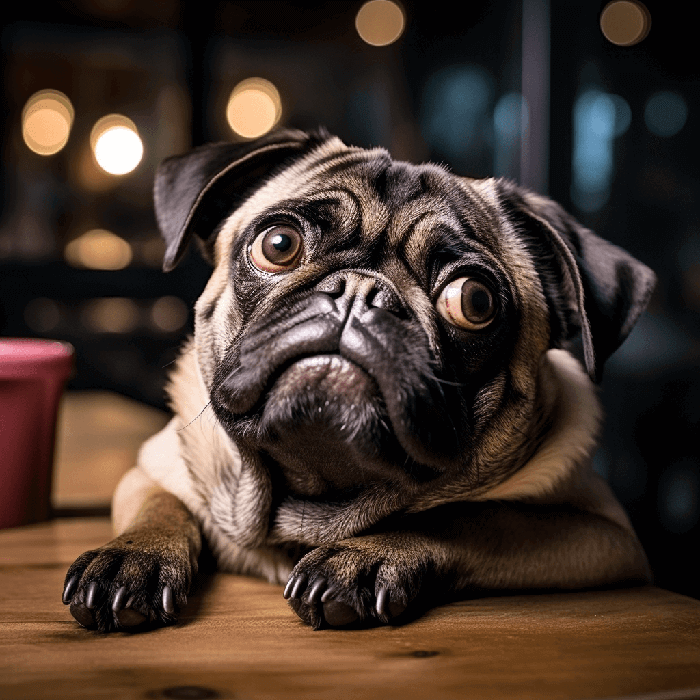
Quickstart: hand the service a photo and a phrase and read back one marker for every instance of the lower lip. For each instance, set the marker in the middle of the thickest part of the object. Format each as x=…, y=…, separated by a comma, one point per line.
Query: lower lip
x=333, y=372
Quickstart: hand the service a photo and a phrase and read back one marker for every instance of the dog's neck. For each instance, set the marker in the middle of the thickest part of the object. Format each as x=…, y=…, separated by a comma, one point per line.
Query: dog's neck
x=571, y=406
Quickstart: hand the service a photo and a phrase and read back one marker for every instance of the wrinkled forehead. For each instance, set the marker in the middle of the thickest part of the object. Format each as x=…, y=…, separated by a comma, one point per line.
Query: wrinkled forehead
x=384, y=195
x=366, y=195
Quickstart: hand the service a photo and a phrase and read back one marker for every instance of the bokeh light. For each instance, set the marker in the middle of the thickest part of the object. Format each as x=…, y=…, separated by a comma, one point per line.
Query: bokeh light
x=625, y=22
x=254, y=107
x=116, y=144
x=665, y=113
x=111, y=315
x=169, y=314
x=593, y=161
x=457, y=113
x=380, y=22
x=623, y=115
x=47, y=119
x=98, y=250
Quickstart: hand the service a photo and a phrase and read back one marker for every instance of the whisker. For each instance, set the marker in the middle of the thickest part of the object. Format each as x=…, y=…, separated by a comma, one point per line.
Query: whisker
x=446, y=381
x=206, y=405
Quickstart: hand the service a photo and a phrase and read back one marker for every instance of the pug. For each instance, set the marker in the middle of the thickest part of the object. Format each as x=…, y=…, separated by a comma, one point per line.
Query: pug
x=389, y=397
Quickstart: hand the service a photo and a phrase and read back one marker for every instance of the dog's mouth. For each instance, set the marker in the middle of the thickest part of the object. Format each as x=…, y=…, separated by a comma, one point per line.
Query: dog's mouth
x=330, y=374
x=326, y=393
x=350, y=401
x=323, y=420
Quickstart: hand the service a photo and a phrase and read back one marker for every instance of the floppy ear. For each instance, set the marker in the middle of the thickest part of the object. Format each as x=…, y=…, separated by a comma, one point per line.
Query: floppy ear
x=604, y=285
x=194, y=192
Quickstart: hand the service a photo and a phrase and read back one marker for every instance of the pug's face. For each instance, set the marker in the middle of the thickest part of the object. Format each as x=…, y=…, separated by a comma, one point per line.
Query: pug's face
x=370, y=321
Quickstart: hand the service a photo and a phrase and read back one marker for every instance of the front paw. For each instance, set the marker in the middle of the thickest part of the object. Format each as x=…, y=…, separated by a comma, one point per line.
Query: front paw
x=130, y=583
x=357, y=582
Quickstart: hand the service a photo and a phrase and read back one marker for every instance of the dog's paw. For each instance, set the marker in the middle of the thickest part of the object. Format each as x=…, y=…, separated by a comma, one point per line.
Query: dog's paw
x=130, y=583
x=356, y=582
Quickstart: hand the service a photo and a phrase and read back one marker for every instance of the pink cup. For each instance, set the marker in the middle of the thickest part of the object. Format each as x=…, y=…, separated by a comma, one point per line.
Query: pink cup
x=33, y=374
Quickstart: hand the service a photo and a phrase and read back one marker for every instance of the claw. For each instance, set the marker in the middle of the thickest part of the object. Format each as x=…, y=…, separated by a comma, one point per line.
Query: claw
x=328, y=594
x=317, y=590
x=91, y=596
x=295, y=587
x=69, y=590
x=168, y=604
x=299, y=587
x=387, y=608
x=119, y=599
x=382, y=603
x=126, y=617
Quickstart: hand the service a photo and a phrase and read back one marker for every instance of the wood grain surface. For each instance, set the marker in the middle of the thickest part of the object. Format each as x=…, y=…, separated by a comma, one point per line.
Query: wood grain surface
x=238, y=638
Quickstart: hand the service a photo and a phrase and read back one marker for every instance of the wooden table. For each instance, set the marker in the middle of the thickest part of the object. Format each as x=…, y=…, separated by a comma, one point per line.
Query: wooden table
x=237, y=638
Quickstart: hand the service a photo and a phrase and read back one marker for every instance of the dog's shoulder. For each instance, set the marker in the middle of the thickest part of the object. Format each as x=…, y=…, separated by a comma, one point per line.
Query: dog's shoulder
x=560, y=470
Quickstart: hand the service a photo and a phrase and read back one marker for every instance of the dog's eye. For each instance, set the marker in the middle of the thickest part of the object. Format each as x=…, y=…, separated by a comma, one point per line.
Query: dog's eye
x=467, y=303
x=276, y=249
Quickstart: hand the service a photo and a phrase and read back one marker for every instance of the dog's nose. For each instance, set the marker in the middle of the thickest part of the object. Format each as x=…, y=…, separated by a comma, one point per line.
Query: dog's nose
x=354, y=291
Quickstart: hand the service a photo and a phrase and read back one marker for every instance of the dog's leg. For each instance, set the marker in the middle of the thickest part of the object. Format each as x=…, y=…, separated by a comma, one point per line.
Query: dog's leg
x=462, y=547
x=144, y=574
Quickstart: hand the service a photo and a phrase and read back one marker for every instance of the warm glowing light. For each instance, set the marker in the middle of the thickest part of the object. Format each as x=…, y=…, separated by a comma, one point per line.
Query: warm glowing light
x=254, y=107
x=625, y=22
x=111, y=315
x=380, y=22
x=116, y=144
x=47, y=119
x=99, y=250
x=169, y=314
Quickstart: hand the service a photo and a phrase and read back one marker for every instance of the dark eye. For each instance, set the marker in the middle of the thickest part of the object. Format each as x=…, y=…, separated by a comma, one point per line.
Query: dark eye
x=467, y=303
x=277, y=249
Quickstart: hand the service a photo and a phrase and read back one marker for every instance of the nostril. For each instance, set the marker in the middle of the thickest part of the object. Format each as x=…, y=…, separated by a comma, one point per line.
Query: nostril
x=382, y=298
x=333, y=285
x=360, y=289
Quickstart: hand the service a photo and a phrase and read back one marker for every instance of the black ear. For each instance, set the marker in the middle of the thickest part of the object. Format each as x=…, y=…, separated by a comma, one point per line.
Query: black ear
x=196, y=191
x=606, y=287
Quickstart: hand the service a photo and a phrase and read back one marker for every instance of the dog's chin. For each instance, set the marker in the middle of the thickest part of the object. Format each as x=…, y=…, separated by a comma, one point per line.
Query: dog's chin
x=325, y=424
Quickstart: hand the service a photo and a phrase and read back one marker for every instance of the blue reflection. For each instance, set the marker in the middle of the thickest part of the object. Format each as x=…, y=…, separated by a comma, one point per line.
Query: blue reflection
x=455, y=107
x=665, y=113
x=623, y=115
x=594, y=129
x=598, y=119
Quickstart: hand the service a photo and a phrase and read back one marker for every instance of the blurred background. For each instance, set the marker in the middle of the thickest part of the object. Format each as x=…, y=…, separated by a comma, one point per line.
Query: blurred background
x=596, y=104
